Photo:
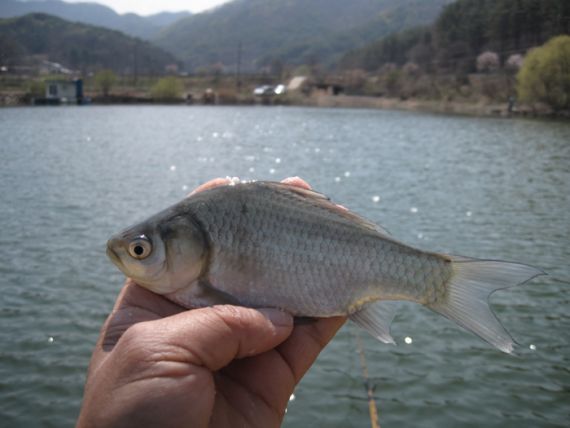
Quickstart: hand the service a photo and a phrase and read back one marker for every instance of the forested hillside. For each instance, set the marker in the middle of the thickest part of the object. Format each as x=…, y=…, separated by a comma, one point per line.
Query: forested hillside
x=145, y=27
x=465, y=30
x=77, y=46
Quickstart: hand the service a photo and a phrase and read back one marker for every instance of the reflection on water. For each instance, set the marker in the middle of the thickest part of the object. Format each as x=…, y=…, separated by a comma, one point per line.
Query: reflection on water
x=488, y=188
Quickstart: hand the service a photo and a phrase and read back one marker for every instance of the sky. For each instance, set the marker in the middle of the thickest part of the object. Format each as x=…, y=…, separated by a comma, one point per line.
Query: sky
x=148, y=7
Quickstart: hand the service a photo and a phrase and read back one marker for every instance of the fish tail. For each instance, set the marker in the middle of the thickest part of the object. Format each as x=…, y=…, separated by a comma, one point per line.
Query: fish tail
x=466, y=300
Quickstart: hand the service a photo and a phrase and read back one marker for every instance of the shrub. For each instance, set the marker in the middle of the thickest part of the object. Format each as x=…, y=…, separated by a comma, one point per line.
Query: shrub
x=167, y=88
x=104, y=81
x=411, y=69
x=36, y=88
x=545, y=74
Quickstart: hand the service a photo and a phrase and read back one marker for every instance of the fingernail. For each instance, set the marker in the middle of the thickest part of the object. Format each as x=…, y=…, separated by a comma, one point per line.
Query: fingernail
x=277, y=317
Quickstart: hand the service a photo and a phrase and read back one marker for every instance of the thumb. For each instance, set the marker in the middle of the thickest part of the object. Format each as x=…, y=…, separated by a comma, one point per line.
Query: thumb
x=212, y=337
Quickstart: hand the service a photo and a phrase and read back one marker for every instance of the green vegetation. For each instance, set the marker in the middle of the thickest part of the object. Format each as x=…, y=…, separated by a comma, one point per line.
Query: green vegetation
x=104, y=80
x=36, y=88
x=470, y=54
x=545, y=74
x=167, y=88
x=77, y=46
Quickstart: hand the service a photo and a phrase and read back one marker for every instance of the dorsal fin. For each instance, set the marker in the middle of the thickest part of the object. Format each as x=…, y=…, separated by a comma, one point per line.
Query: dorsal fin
x=324, y=201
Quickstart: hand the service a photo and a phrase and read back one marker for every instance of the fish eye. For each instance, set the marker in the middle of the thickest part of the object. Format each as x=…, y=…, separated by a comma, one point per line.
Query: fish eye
x=140, y=248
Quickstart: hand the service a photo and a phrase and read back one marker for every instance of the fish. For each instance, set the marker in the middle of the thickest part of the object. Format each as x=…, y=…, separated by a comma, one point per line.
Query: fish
x=269, y=244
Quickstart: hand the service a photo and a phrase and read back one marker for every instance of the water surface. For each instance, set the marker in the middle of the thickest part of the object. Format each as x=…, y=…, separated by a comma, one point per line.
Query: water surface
x=489, y=188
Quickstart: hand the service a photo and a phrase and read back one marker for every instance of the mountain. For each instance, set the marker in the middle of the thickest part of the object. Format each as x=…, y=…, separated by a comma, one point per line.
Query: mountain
x=289, y=31
x=464, y=30
x=78, y=46
x=164, y=19
x=330, y=48
x=94, y=14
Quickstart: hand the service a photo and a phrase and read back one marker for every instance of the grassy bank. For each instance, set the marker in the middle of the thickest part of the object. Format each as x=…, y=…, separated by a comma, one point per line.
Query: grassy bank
x=484, y=109
x=226, y=90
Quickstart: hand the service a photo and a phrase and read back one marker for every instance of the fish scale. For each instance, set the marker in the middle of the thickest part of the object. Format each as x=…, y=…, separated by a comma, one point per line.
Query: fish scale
x=277, y=227
x=268, y=244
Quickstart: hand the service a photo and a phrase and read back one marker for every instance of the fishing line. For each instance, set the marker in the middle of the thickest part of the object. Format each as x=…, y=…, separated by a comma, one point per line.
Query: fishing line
x=372, y=407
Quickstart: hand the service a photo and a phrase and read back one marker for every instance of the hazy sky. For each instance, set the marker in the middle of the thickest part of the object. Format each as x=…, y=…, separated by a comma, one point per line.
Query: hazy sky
x=147, y=7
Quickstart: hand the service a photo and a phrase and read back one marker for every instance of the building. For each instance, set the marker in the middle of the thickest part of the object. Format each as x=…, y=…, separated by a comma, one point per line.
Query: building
x=64, y=91
x=312, y=87
x=298, y=83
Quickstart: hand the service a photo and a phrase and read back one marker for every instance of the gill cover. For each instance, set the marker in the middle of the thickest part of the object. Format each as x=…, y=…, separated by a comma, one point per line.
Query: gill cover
x=164, y=253
x=185, y=253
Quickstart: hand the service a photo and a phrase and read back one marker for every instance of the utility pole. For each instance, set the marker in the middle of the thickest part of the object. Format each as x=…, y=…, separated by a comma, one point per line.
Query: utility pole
x=136, y=63
x=238, y=68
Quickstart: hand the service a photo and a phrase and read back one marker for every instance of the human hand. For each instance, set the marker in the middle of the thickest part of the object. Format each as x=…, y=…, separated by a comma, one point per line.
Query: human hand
x=158, y=364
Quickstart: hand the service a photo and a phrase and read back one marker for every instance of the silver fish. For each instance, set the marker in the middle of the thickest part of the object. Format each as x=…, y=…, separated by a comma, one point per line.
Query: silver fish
x=267, y=244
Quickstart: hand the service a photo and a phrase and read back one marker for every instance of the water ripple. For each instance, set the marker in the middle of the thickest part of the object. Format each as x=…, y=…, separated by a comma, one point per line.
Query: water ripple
x=478, y=187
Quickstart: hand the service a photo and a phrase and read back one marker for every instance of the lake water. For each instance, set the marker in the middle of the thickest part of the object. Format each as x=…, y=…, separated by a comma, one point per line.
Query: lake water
x=492, y=188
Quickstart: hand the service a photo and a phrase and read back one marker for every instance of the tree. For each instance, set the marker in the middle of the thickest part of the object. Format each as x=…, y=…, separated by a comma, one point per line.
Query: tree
x=487, y=61
x=514, y=63
x=545, y=74
x=411, y=69
x=167, y=88
x=10, y=50
x=104, y=81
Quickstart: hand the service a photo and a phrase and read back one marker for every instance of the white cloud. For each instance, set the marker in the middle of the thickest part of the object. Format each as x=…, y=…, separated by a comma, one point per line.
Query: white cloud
x=148, y=7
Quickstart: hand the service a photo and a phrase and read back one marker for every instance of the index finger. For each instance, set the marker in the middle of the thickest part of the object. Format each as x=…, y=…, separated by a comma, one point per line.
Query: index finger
x=134, y=304
x=293, y=181
x=210, y=185
x=306, y=342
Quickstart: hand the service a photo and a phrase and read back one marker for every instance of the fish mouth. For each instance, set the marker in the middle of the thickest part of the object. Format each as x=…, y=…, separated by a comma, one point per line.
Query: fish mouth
x=114, y=257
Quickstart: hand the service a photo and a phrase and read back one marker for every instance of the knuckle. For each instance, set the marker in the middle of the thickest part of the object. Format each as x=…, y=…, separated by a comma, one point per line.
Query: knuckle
x=233, y=317
x=136, y=335
x=228, y=311
x=230, y=316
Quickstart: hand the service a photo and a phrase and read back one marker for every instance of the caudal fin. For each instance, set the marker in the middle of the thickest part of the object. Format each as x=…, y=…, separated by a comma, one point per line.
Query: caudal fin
x=469, y=289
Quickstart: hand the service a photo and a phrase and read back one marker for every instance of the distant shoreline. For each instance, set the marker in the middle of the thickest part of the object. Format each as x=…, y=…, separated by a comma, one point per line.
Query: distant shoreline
x=433, y=106
x=452, y=107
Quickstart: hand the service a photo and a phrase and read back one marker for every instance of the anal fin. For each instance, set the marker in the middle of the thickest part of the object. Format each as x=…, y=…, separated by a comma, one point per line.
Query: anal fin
x=376, y=318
